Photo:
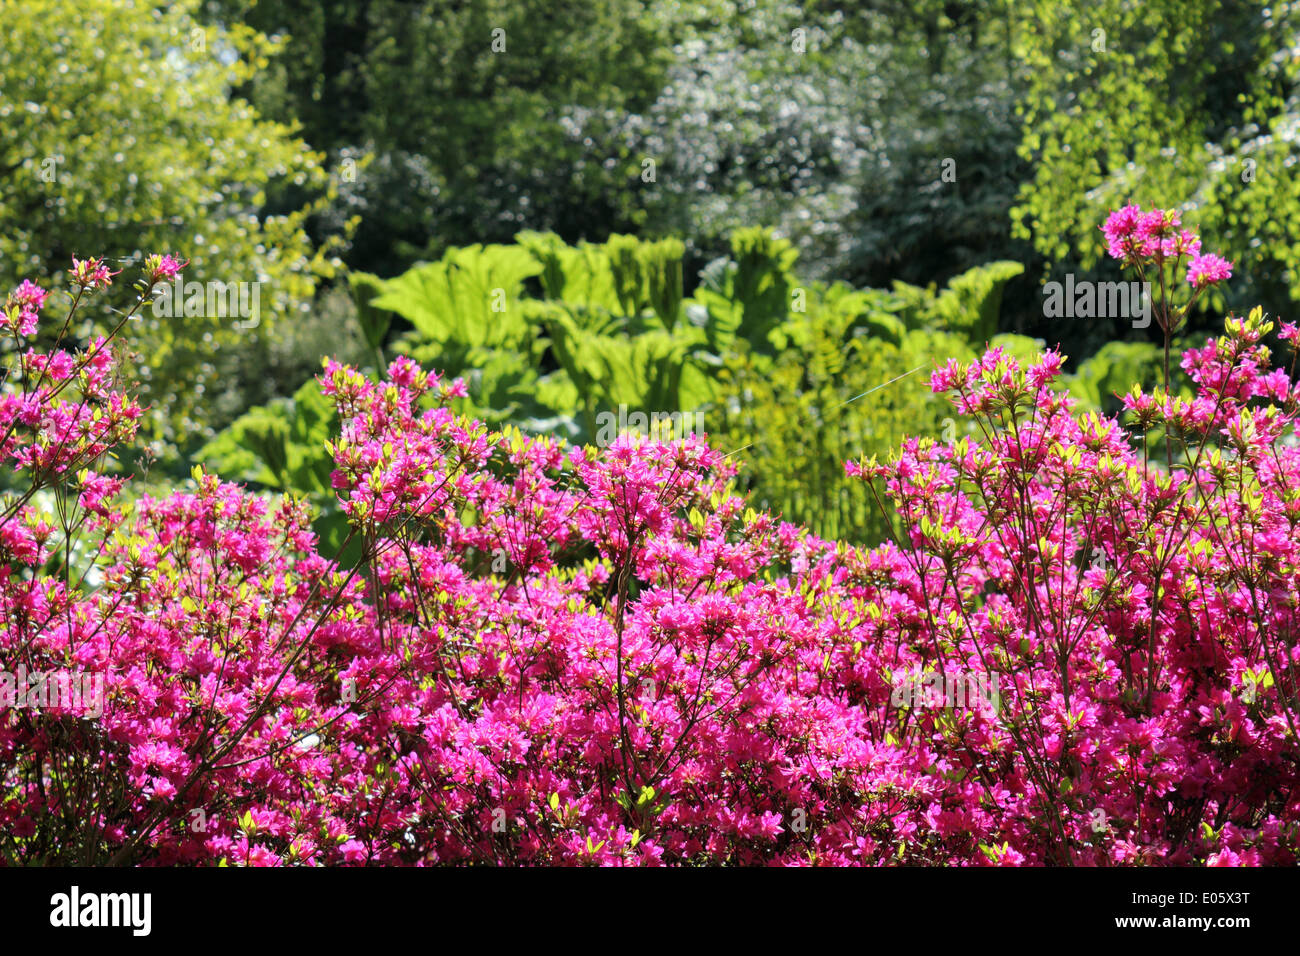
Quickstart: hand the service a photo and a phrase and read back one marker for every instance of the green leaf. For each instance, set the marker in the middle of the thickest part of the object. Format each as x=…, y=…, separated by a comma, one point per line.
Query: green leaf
x=374, y=321
x=471, y=297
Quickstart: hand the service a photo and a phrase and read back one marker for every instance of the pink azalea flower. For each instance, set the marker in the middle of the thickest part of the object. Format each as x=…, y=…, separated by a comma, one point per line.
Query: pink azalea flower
x=1207, y=269
x=162, y=268
x=91, y=273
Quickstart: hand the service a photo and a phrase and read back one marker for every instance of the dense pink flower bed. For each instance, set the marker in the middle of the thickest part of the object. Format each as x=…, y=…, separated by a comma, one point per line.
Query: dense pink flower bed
x=661, y=675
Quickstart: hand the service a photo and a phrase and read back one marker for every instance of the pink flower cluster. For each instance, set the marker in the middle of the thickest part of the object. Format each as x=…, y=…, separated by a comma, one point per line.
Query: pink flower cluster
x=22, y=308
x=1142, y=623
x=554, y=655
x=1134, y=237
x=91, y=273
x=162, y=268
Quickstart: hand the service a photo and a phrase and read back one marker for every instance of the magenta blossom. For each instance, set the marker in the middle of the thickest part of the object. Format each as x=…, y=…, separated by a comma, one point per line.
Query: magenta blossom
x=91, y=273
x=1133, y=235
x=1119, y=229
x=30, y=295
x=1184, y=244
x=1208, y=269
x=22, y=306
x=553, y=655
x=162, y=268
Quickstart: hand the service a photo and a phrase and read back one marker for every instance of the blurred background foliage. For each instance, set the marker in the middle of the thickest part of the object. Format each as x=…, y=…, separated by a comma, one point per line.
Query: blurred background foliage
x=772, y=212
x=119, y=135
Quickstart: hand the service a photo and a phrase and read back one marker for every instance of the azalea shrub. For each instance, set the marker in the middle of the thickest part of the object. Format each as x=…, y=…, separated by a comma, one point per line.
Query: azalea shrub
x=548, y=654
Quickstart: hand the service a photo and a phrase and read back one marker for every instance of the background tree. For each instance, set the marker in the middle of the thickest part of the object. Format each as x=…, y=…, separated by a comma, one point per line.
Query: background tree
x=1148, y=102
x=468, y=110
x=119, y=135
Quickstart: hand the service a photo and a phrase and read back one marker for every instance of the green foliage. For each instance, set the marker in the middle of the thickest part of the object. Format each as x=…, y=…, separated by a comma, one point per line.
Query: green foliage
x=469, y=110
x=793, y=377
x=272, y=445
x=1152, y=102
x=647, y=275
x=1020, y=347
x=969, y=305
x=607, y=327
x=748, y=295
x=580, y=274
x=851, y=378
x=838, y=144
x=373, y=321
x=833, y=125
x=610, y=365
x=469, y=320
x=470, y=298
x=1113, y=370
x=118, y=136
